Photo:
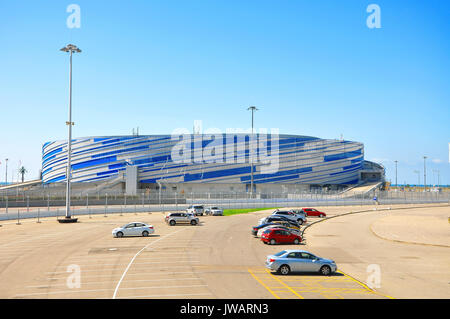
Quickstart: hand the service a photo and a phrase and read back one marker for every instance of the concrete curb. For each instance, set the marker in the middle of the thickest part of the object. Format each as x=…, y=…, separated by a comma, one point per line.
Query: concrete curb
x=404, y=241
x=366, y=211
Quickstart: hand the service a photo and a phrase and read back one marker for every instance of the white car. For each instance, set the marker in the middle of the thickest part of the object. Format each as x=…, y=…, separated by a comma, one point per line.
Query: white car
x=197, y=210
x=133, y=229
x=214, y=211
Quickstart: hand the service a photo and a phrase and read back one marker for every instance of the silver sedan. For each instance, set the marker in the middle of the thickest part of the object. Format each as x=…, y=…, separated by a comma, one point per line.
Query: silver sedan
x=133, y=229
x=287, y=261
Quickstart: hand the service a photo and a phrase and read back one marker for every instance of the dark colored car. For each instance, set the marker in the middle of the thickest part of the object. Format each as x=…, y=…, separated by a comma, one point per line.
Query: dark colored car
x=280, y=236
x=275, y=218
x=256, y=228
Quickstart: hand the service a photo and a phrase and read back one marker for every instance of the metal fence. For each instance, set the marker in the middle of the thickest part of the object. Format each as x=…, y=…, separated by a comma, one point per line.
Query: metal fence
x=17, y=208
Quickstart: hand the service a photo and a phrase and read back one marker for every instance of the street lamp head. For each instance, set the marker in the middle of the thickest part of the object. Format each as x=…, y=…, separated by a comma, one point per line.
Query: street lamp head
x=253, y=108
x=71, y=48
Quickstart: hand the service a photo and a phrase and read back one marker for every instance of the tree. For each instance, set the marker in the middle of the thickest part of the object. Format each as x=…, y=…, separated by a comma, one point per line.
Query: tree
x=22, y=172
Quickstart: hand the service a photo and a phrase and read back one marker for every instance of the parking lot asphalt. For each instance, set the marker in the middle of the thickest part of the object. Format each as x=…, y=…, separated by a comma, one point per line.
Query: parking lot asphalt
x=217, y=259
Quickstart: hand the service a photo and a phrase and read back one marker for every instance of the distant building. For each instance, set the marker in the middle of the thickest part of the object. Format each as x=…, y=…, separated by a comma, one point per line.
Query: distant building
x=301, y=162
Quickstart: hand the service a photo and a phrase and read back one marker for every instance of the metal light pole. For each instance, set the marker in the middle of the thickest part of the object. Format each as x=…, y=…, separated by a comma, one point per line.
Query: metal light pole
x=396, y=172
x=418, y=176
x=6, y=171
x=71, y=49
x=438, y=181
x=424, y=174
x=253, y=109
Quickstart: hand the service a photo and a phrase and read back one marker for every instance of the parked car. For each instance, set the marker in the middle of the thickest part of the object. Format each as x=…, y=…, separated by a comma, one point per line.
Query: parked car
x=280, y=236
x=197, y=210
x=299, y=212
x=133, y=229
x=299, y=218
x=286, y=224
x=181, y=218
x=295, y=231
x=314, y=212
x=287, y=261
x=214, y=211
x=277, y=219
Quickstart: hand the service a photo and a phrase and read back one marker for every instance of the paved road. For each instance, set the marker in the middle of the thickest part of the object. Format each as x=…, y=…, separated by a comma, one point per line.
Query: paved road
x=217, y=259
x=410, y=266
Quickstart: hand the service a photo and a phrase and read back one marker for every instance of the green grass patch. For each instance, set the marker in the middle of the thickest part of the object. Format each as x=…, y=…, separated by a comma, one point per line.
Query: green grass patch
x=228, y=212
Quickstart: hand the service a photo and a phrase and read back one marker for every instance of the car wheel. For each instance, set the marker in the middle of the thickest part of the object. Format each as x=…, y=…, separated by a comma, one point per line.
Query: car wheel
x=193, y=222
x=145, y=233
x=273, y=242
x=172, y=223
x=325, y=270
x=321, y=215
x=119, y=234
x=284, y=270
x=296, y=241
x=300, y=221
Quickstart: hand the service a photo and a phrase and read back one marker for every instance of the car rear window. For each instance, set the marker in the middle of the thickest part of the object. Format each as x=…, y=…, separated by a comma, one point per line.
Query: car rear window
x=280, y=253
x=198, y=207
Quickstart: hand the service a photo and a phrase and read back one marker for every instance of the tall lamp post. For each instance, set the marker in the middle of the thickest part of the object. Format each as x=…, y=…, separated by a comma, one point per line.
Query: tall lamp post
x=253, y=109
x=418, y=176
x=438, y=182
x=396, y=172
x=424, y=174
x=6, y=171
x=71, y=49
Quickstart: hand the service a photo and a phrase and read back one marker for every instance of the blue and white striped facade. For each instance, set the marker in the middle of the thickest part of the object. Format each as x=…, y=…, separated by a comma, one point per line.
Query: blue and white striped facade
x=302, y=160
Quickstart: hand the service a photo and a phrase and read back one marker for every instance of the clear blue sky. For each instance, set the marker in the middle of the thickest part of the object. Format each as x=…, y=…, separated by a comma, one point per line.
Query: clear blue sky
x=312, y=67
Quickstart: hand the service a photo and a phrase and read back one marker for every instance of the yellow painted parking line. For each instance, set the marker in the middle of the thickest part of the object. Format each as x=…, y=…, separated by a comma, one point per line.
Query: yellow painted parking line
x=312, y=285
x=285, y=285
x=263, y=284
x=365, y=286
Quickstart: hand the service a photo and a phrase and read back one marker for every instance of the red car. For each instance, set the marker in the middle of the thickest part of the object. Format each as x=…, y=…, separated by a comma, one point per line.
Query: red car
x=280, y=236
x=313, y=212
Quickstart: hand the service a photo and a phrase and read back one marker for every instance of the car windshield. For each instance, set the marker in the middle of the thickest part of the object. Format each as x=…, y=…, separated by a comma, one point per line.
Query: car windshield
x=280, y=253
x=214, y=207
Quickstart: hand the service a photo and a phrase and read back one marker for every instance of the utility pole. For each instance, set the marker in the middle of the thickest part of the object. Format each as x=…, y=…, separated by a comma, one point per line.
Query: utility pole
x=71, y=49
x=253, y=109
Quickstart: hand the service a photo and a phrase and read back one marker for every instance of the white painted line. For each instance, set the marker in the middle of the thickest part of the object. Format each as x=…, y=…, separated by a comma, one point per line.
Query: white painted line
x=163, y=255
x=162, y=287
x=143, y=263
x=159, y=296
x=129, y=274
x=111, y=269
x=137, y=254
x=106, y=282
x=106, y=289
